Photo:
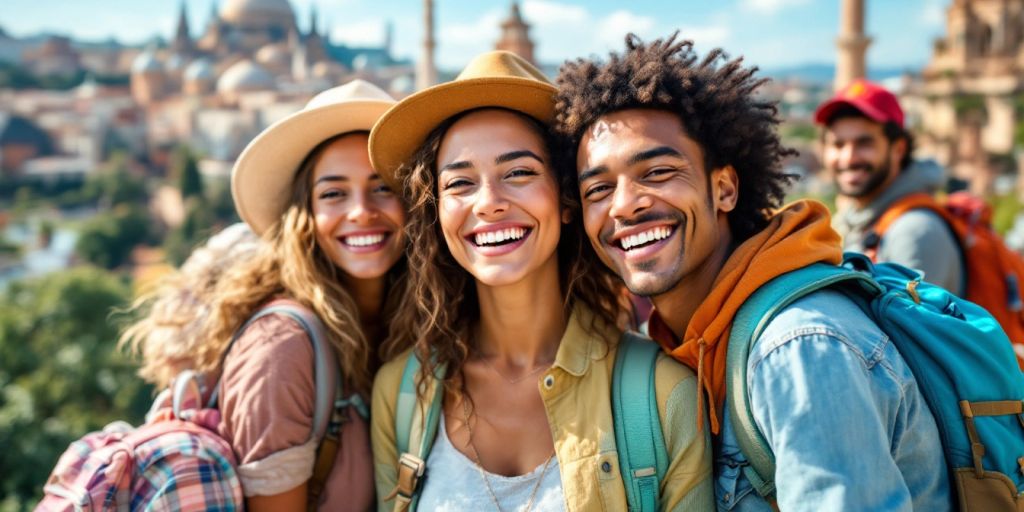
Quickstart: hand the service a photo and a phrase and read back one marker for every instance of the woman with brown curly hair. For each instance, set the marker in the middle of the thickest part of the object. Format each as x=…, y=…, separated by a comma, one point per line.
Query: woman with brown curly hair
x=334, y=248
x=513, y=322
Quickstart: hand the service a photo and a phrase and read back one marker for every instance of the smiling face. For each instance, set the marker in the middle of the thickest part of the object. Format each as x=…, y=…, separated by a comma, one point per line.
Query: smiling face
x=862, y=159
x=651, y=210
x=358, y=218
x=498, y=201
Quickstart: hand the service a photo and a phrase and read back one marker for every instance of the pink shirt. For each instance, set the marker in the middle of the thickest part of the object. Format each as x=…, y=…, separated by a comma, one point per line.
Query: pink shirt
x=266, y=402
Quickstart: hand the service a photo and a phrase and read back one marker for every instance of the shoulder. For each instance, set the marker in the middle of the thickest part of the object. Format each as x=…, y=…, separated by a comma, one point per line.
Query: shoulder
x=919, y=224
x=827, y=318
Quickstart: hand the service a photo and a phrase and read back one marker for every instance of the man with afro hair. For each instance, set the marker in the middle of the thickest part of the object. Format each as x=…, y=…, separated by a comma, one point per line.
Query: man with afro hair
x=678, y=168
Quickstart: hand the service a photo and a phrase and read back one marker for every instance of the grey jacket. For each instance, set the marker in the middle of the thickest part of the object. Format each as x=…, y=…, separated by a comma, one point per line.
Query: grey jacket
x=918, y=239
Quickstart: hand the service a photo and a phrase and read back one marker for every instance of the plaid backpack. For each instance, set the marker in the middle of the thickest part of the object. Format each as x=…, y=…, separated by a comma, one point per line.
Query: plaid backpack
x=177, y=460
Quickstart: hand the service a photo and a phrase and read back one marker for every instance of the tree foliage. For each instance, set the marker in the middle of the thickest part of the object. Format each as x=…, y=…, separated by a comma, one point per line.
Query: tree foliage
x=107, y=239
x=185, y=170
x=61, y=375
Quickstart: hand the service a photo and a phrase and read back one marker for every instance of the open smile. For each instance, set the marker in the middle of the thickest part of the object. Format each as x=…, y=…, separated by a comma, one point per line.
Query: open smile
x=499, y=240
x=365, y=242
x=642, y=244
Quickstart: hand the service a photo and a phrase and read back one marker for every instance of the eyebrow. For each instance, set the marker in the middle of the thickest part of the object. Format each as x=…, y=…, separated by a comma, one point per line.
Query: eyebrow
x=633, y=160
x=653, y=153
x=330, y=177
x=515, y=155
x=455, y=166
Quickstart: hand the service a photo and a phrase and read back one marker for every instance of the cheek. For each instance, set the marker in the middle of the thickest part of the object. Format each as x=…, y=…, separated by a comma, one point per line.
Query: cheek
x=450, y=214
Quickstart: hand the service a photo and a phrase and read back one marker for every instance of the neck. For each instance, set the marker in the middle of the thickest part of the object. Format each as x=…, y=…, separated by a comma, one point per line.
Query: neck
x=369, y=297
x=678, y=305
x=522, y=323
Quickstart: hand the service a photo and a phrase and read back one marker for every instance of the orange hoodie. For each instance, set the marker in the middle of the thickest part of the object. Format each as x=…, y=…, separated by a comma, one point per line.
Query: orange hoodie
x=798, y=235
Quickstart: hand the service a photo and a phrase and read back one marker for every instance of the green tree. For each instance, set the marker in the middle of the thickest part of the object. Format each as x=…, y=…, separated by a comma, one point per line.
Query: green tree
x=61, y=375
x=107, y=239
x=114, y=184
x=200, y=222
x=185, y=170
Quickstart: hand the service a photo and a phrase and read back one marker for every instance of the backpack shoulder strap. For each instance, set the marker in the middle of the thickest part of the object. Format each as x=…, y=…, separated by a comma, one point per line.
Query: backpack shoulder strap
x=919, y=201
x=330, y=401
x=750, y=321
x=415, y=430
x=643, y=457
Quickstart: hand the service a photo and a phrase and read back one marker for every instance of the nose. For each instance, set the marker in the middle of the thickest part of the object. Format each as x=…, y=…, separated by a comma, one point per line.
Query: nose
x=845, y=156
x=489, y=201
x=363, y=211
x=628, y=199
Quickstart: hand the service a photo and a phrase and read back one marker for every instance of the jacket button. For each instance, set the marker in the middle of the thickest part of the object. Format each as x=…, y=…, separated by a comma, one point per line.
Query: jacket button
x=549, y=381
x=606, y=467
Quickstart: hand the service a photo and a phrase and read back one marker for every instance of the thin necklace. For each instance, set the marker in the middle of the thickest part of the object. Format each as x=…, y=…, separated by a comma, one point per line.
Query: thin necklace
x=483, y=474
x=521, y=378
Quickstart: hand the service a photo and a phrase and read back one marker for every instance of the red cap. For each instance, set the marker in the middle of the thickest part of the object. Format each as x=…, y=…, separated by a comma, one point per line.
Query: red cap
x=871, y=99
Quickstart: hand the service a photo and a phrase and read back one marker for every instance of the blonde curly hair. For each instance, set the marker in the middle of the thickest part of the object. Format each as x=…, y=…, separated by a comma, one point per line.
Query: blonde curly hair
x=170, y=316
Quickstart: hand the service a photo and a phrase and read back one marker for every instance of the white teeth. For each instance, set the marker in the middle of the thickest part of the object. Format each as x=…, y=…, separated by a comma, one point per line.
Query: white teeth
x=502, y=235
x=364, y=240
x=658, y=233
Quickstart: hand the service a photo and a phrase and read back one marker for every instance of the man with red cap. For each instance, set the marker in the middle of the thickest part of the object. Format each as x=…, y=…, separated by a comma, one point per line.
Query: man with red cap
x=870, y=154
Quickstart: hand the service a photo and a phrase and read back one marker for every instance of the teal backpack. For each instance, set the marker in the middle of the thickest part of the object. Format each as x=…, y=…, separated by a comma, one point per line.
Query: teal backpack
x=643, y=457
x=964, y=364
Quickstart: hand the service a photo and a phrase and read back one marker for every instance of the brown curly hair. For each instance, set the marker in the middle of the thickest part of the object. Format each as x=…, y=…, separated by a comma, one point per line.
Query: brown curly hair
x=442, y=295
x=715, y=102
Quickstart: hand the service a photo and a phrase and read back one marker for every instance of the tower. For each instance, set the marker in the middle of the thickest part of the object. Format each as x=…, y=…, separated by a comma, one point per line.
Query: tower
x=182, y=44
x=515, y=35
x=851, y=43
x=426, y=73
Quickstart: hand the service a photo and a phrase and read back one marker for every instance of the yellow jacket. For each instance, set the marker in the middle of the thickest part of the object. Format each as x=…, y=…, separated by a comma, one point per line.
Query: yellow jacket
x=577, y=397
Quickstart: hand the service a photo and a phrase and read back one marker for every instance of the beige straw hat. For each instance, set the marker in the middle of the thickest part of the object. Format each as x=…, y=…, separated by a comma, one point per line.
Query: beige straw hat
x=261, y=181
x=494, y=79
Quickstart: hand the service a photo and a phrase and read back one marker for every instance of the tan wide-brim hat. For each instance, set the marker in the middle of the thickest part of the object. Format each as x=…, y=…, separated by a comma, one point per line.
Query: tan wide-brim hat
x=494, y=79
x=261, y=181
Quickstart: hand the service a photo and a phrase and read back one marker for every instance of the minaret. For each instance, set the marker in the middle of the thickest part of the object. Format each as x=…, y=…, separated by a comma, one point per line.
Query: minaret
x=426, y=73
x=182, y=43
x=515, y=35
x=851, y=43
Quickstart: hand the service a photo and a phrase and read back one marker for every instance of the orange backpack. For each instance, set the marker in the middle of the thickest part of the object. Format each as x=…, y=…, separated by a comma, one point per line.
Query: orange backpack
x=993, y=271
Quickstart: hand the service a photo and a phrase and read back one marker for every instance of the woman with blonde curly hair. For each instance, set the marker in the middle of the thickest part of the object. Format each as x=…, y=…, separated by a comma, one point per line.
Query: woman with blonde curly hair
x=515, y=332
x=334, y=247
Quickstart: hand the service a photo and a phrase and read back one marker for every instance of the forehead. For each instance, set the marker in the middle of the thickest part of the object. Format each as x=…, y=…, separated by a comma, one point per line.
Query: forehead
x=488, y=132
x=619, y=135
x=347, y=156
x=852, y=127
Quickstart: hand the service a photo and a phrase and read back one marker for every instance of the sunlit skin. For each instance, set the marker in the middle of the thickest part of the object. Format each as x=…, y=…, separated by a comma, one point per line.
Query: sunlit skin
x=862, y=160
x=494, y=175
x=641, y=174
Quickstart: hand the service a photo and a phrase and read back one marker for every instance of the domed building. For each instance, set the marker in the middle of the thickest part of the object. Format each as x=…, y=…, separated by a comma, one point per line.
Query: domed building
x=200, y=77
x=148, y=78
x=251, y=24
x=244, y=77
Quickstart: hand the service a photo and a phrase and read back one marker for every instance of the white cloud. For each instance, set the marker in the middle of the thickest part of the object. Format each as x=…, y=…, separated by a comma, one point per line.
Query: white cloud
x=363, y=33
x=615, y=26
x=771, y=6
x=544, y=12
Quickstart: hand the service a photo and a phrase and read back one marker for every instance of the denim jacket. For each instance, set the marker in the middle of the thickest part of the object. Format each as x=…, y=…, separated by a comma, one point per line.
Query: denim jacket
x=843, y=414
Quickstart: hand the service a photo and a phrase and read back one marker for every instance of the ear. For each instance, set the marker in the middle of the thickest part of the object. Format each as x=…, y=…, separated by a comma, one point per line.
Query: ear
x=897, y=151
x=725, y=188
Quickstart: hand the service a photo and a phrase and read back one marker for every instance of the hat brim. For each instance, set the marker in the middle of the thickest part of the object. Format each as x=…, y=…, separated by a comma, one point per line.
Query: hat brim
x=261, y=181
x=404, y=128
x=824, y=113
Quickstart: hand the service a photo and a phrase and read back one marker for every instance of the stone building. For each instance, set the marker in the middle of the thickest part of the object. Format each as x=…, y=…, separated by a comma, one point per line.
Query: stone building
x=515, y=35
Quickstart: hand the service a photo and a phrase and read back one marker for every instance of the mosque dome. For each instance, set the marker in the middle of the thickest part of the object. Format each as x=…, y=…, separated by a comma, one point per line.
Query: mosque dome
x=257, y=12
x=244, y=76
x=176, y=63
x=201, y=69
x=146, y=62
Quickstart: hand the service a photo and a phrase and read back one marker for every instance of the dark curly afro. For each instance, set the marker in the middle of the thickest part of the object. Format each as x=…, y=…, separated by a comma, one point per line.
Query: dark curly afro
x=713, y=97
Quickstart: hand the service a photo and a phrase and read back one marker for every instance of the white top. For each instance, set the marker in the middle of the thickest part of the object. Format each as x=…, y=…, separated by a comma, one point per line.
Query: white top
x=454, y=484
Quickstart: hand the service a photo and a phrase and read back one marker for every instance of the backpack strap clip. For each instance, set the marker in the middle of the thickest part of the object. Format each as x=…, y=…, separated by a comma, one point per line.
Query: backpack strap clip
x=994, y=408
x=410, y=470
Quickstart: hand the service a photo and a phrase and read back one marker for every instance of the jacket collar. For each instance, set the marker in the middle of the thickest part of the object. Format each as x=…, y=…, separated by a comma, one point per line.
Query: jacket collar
x=584, y=341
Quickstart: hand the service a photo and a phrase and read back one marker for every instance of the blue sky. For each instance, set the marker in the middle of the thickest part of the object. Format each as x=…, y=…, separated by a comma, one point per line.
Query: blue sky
x=769, y=33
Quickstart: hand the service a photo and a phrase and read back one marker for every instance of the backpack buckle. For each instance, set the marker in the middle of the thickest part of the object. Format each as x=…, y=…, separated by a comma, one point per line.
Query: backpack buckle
x=410, y=471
